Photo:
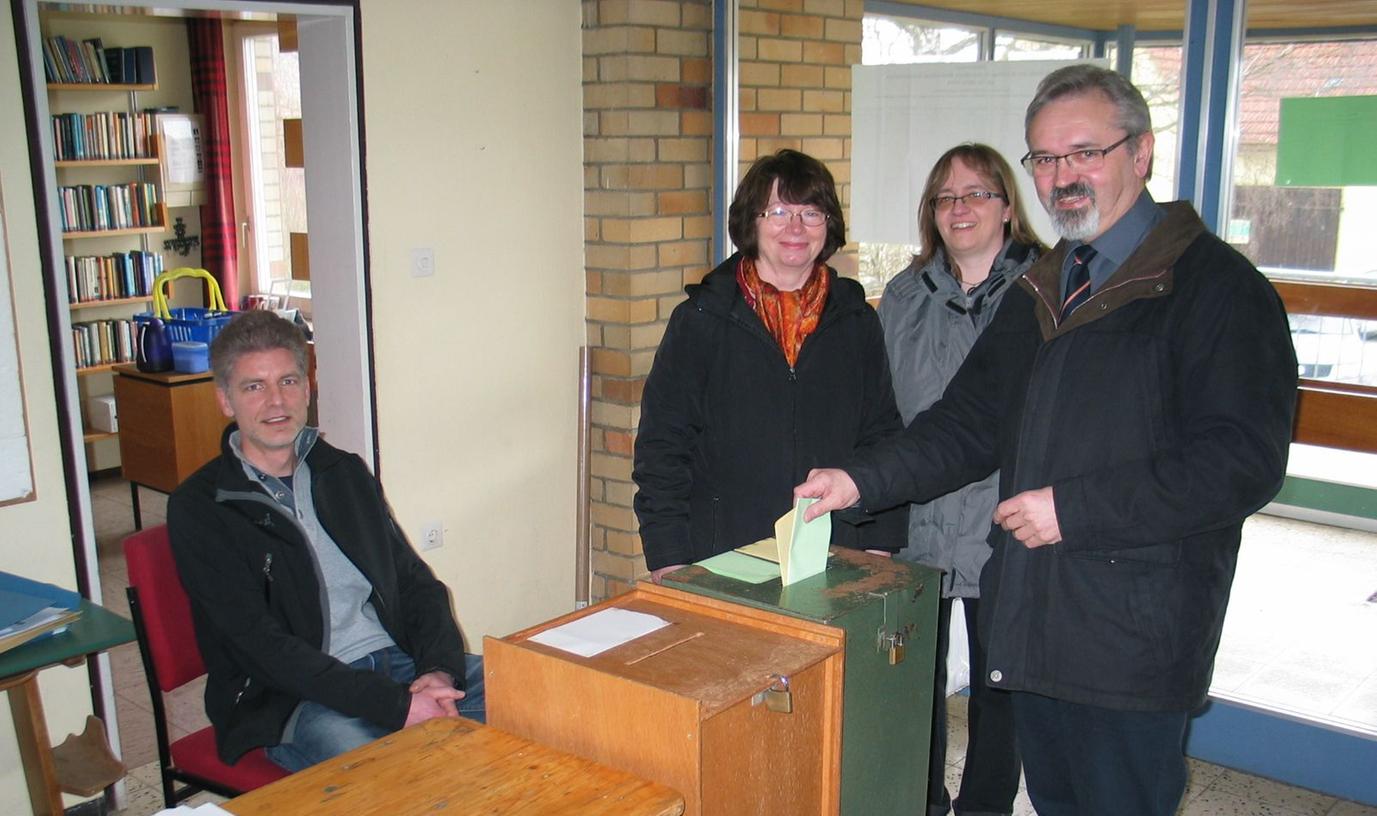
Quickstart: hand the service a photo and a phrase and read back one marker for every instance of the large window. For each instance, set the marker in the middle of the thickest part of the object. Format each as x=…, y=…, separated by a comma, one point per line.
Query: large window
x=1301, y=220
x=892, y=40
x=278, y=206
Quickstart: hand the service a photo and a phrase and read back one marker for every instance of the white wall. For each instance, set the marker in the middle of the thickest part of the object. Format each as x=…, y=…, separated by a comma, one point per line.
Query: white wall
x=473, y=121
x=35, y=538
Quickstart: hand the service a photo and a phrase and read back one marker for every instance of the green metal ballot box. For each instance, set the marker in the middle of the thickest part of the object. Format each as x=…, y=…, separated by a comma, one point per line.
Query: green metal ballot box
x=888, y=610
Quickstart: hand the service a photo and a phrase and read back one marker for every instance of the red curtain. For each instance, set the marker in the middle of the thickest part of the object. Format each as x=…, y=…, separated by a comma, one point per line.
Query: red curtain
x=219, y=240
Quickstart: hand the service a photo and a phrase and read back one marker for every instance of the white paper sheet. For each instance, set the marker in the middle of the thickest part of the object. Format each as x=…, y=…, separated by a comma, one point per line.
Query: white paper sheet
x=600, y=631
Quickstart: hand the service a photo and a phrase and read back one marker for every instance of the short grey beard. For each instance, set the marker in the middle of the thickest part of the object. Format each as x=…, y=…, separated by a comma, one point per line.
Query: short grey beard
x=1076, y=226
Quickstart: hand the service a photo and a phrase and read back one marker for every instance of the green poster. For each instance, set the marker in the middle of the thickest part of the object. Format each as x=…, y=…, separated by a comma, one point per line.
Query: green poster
x=1327, y=142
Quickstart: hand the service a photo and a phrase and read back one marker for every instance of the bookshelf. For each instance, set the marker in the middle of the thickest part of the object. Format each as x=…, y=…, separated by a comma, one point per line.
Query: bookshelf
x=106, y=160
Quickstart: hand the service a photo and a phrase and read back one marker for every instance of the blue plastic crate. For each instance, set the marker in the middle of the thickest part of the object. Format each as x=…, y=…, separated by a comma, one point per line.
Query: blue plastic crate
x=191, y=323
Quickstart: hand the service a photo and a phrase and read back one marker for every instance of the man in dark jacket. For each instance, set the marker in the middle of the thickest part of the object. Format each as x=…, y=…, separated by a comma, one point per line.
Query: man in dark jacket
x=320, y=627
x=1138, y=401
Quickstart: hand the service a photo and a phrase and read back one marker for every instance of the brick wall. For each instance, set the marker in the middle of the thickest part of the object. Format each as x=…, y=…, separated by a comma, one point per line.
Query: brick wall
x=795, y=59
x=647, y=91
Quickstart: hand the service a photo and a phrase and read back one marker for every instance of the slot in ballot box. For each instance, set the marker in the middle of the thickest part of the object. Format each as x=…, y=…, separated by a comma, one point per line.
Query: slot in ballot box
x=888, y=609
x=737, y=709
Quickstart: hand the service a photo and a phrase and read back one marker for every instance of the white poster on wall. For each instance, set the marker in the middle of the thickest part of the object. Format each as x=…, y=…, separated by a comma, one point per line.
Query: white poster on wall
x=905, y=116
x=16, y=468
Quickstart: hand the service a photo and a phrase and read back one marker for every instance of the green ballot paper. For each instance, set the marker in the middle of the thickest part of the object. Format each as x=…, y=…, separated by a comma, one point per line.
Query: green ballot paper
x=799, y=547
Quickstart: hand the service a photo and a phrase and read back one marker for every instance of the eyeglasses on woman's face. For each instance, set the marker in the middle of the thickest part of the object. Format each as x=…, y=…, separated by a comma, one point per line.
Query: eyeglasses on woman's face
x=780, y=217
x=971, y=199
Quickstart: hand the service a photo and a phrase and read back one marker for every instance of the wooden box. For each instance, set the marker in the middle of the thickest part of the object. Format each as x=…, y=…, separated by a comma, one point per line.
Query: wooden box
x=687, y=705
x=170, y=425
x=887, y=706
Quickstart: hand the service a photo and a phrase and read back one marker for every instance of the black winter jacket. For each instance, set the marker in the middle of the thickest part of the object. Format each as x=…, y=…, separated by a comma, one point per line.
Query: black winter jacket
x=258, y=607
x=728, y=427
x=1160, y=414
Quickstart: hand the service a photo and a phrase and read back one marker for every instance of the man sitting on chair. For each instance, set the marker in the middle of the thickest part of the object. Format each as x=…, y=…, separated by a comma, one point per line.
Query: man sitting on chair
x=320, y=627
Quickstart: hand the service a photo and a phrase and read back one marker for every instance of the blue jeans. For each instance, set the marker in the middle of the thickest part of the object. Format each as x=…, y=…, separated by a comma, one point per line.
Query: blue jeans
x=322, y=732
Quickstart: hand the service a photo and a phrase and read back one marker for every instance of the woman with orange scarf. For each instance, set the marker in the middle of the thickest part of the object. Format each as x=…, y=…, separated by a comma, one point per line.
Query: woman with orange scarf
x=772, y=366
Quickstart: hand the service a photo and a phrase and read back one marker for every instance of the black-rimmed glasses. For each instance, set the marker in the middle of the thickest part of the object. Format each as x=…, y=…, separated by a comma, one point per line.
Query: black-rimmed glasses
x=946, y=202
x=1084, y=160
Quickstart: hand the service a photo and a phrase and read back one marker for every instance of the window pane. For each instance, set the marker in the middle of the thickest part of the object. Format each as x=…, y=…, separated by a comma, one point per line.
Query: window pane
x=897, y=41
x=1013, y=47
x=1295, y=231
x=1315, y=232
x=1157, y=73
x=902, y=41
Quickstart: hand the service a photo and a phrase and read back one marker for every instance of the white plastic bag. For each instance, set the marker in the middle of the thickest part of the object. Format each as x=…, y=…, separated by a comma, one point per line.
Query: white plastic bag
x=958, y=650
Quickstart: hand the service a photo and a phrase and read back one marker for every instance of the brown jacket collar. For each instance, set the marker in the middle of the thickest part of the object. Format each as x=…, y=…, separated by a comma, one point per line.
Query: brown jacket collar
x=1146, y=273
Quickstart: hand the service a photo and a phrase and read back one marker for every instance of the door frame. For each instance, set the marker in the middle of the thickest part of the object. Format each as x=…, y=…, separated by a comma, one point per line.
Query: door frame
x=331, y=69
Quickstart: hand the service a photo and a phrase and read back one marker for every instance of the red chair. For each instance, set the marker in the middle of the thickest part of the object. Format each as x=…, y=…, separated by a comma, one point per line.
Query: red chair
x=171, y=659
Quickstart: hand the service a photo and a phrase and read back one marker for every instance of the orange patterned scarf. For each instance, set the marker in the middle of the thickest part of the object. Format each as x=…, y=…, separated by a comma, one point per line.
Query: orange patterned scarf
x=789, y=316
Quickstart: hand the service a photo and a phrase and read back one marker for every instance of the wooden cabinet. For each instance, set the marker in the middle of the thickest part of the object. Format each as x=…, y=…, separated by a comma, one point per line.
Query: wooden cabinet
x=695, y=705
x=170, y=425
x=888, y=609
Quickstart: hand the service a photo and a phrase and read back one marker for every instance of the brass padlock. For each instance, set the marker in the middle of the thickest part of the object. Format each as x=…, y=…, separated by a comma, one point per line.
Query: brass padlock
x=896, y=648
x=777, y=697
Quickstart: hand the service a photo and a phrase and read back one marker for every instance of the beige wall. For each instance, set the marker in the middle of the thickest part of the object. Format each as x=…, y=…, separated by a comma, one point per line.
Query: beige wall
x=474, y=149
x=34, y=536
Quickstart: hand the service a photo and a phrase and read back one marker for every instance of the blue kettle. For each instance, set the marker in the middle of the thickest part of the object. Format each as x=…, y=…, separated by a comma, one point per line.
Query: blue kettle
x=154, y=346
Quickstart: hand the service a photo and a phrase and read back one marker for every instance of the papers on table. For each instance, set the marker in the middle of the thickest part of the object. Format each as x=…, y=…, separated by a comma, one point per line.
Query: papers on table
x=206, y=809
x=600, y=631
x=31, y=608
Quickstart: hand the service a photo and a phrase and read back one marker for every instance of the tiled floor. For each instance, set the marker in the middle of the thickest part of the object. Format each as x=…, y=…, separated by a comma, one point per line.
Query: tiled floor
x=1302, y=608
x=1272, y=568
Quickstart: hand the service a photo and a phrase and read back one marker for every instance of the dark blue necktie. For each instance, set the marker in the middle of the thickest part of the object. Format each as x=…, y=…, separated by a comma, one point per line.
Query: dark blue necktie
x=1078, y=282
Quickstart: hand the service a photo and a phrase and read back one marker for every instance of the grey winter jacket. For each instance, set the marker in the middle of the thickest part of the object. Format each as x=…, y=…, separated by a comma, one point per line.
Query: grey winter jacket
x=930, y=323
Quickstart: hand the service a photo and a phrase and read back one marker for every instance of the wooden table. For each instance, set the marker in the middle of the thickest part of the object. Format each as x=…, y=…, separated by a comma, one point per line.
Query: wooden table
x=81, y=765
x=170, y=425
x=461, y=767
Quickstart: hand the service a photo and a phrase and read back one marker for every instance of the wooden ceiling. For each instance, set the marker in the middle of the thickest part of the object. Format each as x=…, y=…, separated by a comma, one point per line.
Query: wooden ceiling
x=1166, y=15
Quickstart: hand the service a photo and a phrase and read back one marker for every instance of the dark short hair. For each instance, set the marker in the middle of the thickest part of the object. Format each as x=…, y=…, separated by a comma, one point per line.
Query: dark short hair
x=987, y=163
x=802, y=180
x=251, y=331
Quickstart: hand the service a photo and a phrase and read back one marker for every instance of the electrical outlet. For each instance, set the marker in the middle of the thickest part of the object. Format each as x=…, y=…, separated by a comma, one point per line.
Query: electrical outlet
x=432, y=535
x=422, y=262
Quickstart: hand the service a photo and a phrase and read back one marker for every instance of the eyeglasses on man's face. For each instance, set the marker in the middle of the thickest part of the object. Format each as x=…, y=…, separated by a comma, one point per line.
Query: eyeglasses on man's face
x=971, y=199
x=1084, y=160
x=782, y=217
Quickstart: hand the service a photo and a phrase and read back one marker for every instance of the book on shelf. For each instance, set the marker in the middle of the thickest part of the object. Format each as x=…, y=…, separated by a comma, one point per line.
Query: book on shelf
x=93, y=55
x=67, y=61
x=96, y=207
x=106, y=135
x=103, y=342
x=119, y=275
x=144, y=65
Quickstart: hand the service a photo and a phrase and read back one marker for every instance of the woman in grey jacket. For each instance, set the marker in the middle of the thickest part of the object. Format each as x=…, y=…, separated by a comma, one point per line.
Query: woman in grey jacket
x=975, y=242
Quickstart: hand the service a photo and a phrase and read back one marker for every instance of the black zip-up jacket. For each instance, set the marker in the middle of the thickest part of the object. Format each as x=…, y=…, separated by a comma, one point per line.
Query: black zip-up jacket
x=728, y=427
x=1160, y=414
x=258, y=608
